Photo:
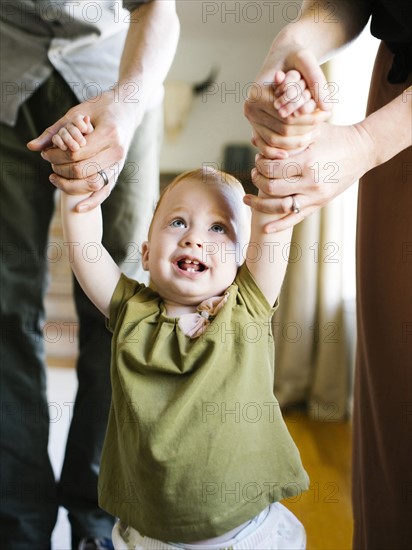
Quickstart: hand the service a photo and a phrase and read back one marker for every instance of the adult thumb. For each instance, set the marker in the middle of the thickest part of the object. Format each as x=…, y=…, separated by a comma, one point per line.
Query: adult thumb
x=44, y=140
x=309, y=68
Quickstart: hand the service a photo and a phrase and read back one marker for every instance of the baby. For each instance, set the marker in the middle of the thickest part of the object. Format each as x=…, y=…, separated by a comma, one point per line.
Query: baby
x=196, y=453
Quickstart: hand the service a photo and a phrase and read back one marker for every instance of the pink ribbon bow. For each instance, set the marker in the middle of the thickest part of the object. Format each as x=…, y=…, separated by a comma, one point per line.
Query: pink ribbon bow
x=195, y=324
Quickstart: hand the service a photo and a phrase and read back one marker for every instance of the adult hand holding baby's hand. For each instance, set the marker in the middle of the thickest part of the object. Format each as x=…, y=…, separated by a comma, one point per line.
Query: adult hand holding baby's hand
x=77, y=172
x=288, y=123
x=288, y=102
x=311, y=178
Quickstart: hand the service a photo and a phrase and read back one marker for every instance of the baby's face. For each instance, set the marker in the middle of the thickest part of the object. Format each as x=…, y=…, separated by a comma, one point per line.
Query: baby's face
x=196, y=242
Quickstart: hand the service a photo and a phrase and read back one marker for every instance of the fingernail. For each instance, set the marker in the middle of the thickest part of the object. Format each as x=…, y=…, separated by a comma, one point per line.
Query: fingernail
x=52, y=178
x=42, y=154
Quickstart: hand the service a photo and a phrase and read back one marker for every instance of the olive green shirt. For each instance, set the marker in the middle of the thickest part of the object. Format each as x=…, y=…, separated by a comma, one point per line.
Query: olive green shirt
x=196, y=444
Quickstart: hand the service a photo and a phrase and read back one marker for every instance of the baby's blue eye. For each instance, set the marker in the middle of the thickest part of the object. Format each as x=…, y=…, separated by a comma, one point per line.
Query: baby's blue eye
x=217, y=228
x=178, y=223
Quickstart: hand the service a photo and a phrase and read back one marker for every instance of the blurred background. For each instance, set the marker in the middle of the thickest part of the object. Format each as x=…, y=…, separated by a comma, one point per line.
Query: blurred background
x=221, y=49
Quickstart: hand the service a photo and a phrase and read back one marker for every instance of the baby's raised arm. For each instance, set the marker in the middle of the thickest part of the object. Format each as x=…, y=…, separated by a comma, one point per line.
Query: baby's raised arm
x=268, y=253
x=94, y=268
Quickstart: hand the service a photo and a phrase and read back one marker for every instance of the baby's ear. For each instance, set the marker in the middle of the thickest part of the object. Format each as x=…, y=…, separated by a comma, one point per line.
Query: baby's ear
x=145, y=255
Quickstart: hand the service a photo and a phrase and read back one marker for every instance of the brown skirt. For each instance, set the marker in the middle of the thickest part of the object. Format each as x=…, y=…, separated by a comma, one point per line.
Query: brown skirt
x=382, y=452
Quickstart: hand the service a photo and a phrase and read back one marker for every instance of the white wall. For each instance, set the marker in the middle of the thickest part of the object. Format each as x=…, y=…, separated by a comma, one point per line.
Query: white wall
x=233, y=37
x=351, y=71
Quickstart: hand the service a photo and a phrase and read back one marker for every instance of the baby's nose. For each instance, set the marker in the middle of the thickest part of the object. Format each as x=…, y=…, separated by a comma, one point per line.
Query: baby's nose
x=193, y=242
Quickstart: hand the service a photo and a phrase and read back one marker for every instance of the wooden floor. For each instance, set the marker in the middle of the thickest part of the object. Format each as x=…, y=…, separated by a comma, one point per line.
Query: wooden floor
x=325, y=509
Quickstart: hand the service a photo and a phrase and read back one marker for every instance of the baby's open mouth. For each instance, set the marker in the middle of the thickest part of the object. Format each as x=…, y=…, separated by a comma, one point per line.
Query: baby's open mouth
x=186, y=264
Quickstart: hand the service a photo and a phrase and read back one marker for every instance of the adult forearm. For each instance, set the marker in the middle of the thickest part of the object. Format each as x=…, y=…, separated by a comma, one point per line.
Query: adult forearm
x=325, y=26
x=388, y=131
x=339, y=157
x=149, y=49
x=320, y=30
x=115, y=114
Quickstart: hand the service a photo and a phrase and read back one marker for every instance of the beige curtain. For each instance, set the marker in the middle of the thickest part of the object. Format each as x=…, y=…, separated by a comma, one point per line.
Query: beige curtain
x=314, y=326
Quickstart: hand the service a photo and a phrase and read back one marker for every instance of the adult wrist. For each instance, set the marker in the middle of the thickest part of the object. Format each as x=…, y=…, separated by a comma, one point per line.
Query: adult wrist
x=128, y=93
x=367, y=146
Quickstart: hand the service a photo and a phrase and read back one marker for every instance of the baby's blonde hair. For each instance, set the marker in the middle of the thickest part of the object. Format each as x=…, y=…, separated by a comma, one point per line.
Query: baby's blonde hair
x=209, y=176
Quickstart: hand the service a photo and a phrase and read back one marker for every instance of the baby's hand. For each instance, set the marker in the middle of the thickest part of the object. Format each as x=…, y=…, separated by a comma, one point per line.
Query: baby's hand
x=292, y=94
x=72, y=135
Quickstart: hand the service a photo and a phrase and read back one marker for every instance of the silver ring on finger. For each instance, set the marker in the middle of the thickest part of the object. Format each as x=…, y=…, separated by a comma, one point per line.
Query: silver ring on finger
x=104, y=176
x=295, y=204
